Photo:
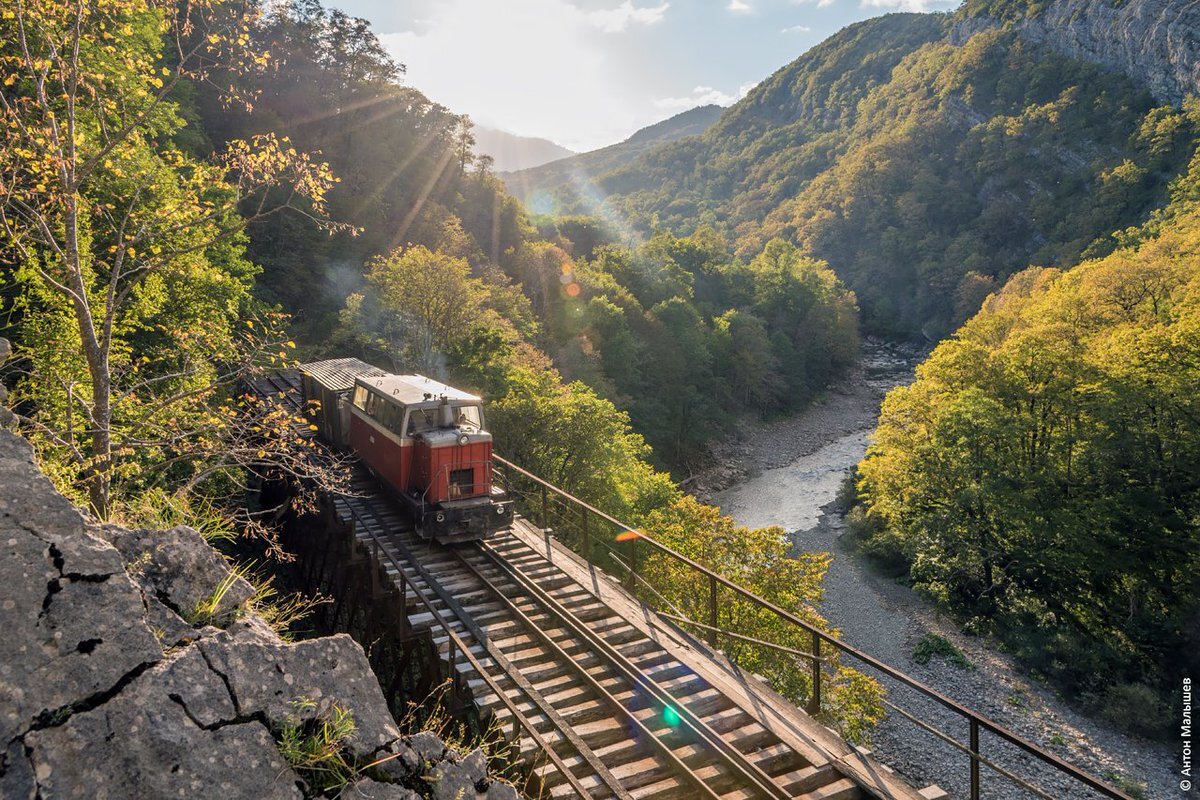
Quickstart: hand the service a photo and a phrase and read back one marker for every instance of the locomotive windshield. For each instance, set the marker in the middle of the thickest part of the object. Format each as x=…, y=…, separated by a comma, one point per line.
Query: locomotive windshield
x=469, y=418
x=421, y=420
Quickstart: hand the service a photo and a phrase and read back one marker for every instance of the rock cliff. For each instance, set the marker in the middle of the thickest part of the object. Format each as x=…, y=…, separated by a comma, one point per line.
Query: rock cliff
x=131, y=666
x=1154, y=42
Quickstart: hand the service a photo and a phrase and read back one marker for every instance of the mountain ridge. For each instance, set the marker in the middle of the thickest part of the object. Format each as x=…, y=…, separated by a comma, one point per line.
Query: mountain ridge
x=526, y=184
x=510, y=151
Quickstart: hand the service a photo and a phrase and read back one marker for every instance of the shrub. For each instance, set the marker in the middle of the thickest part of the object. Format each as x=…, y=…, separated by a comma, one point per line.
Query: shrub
x=934, y=645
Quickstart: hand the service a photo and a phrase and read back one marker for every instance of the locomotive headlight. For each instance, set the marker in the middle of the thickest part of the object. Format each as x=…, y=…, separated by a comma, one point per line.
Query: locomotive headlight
x=440, y=517
x=500, y=511
x=463, y=438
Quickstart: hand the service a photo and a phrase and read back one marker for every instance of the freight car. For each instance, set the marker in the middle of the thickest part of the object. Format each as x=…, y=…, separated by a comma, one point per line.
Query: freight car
x=424, y=440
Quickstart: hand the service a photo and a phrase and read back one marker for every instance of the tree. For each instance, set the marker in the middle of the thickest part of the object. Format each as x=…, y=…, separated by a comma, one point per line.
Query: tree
x=107, y=215
x=421, y=302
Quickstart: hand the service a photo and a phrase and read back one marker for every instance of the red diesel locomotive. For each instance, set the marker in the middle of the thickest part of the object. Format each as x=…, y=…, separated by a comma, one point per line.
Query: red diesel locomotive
x=423, y=439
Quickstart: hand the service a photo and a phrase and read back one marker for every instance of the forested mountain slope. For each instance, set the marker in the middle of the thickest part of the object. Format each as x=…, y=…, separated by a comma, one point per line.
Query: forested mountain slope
x=1041, y=475
x=922, y=162
x=532, y=185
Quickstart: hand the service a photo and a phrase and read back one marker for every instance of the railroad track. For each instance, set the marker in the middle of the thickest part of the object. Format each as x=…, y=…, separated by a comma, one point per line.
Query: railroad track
x=622, y=715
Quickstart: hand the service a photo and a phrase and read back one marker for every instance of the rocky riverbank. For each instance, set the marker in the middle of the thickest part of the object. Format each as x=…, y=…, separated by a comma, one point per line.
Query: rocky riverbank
x=848, y=407
x=788, y=473
x=133, y=665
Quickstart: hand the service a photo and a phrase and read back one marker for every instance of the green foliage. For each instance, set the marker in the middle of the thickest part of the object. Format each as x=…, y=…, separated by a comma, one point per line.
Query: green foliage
x=1041, y=474
x=404, y=174
x=686, y=338
x=1137, y=708
x=578, y=441
x=932, y=644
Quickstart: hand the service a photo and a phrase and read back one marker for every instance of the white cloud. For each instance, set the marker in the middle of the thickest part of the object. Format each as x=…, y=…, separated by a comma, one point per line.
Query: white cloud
x=495, y=62
x=796, y=29
x=738, y=7
x=615, y=20
x=703, y=96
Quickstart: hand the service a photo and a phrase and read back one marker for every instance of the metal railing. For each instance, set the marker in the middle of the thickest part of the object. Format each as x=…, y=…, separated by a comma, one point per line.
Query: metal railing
x=557, y=509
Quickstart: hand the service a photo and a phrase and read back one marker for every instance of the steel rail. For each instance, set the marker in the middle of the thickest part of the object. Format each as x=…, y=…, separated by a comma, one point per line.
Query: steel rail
x=734, y=758
x=502, y=661
x=563, y=657
x=977, y=720
x=406, y=586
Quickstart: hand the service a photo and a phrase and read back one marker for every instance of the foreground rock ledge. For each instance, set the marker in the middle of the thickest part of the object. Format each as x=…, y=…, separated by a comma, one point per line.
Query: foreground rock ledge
x=110, y=687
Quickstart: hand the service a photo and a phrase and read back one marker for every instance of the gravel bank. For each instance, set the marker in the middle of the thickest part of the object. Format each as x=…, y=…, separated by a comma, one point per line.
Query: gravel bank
x=786, y=473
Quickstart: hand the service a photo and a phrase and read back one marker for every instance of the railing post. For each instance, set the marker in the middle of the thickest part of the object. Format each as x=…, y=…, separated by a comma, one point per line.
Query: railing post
x=633, y=540
x=974, y=759
x=545, y=508
x=814, y=703
x=587, y=539
x=712, y=609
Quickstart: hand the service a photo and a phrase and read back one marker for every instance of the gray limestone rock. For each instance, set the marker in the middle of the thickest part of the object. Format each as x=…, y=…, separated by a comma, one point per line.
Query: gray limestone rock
x=1154, y=42
x=367, y=789
x=179, y=569
x=92, y=707
x=73, y=624
x=458, y=780
x=266, y=674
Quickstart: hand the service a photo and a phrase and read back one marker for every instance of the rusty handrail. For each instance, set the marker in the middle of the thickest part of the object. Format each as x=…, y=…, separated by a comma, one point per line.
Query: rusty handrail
x=976, y=721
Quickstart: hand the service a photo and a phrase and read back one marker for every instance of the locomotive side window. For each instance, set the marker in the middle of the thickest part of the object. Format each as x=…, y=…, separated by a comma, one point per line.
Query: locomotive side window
x=391, y=416
x=360, y=397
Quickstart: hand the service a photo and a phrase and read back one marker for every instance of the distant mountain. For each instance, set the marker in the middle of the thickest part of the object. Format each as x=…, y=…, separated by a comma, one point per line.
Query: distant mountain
x=927, y=157
x=527, y=184
x=512, y=152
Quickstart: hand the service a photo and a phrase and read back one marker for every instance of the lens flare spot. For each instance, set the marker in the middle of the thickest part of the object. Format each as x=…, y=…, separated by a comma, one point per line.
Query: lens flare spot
x=565, y=278
x=670, y=716
x=625, y=536
x=573, y=289
x=567, y=268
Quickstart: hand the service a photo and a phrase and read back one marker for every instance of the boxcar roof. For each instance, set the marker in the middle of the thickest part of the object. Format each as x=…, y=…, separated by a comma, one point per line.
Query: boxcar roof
x=338, y=374
x=414, y=389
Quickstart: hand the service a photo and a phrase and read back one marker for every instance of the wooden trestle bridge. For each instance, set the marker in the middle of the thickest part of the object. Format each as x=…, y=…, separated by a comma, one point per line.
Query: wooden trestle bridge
x=551, y=634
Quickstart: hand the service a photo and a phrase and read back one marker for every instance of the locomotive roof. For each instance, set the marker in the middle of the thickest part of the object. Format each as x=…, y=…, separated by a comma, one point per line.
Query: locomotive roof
x=414, y=389
x=338, y=374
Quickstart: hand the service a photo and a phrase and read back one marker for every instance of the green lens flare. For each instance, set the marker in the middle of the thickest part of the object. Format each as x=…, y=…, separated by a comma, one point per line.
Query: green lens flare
x=670, y=716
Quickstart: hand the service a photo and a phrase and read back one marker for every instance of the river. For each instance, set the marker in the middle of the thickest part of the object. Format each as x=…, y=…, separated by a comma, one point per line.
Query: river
x=788, y=473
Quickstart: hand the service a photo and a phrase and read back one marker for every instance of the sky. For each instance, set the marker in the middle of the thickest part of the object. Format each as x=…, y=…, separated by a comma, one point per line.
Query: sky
x=587, y=73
